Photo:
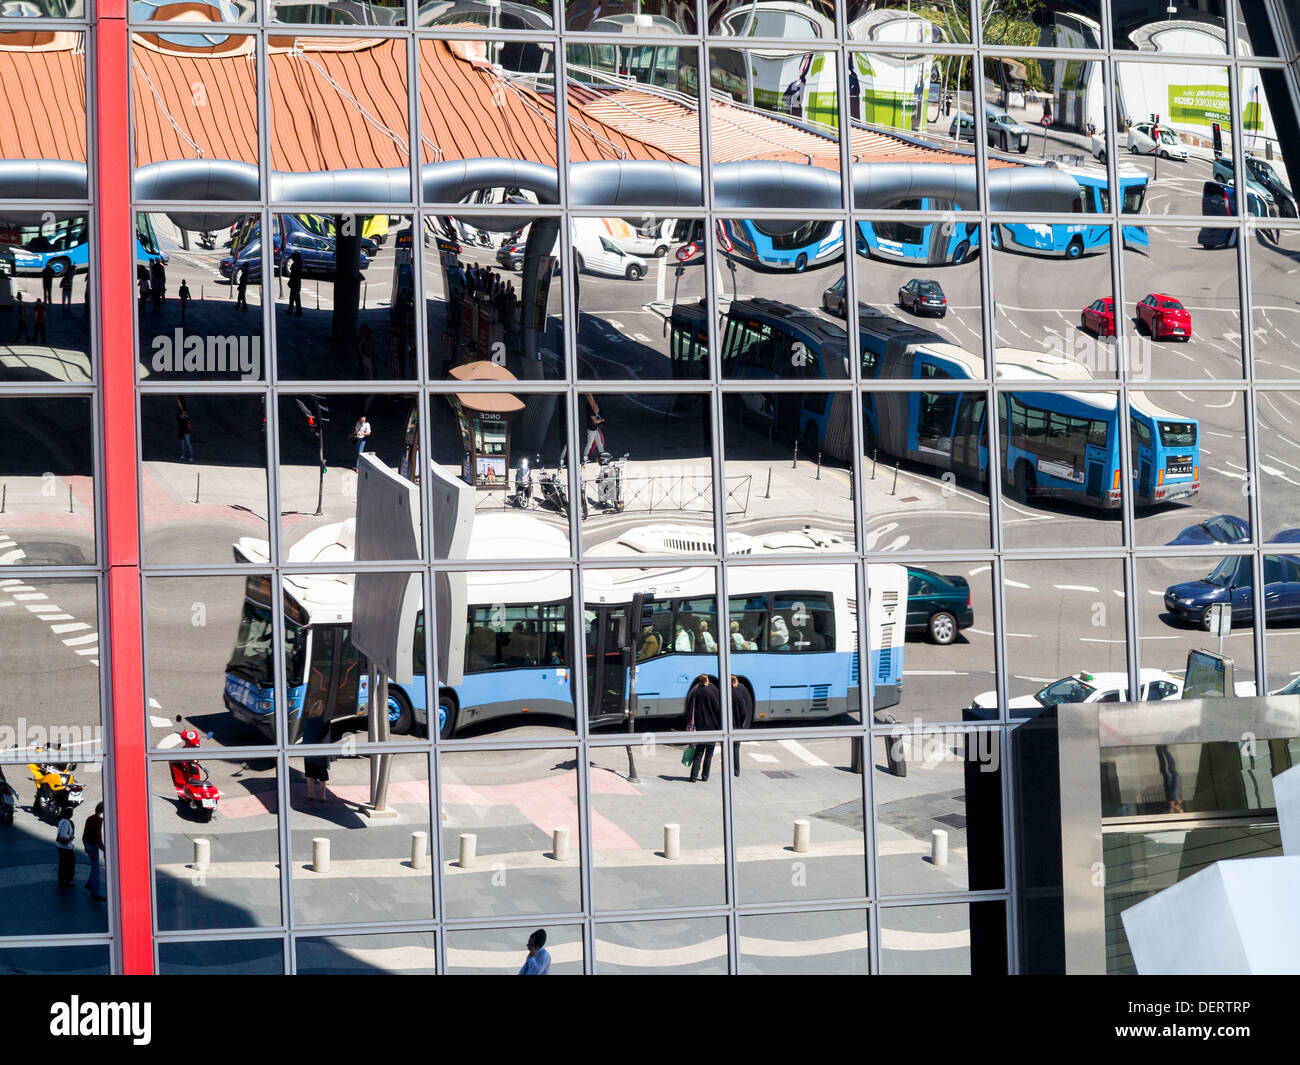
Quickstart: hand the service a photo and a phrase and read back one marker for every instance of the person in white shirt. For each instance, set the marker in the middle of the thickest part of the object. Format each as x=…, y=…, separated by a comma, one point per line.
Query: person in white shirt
x=706, y=638
x=360, y=433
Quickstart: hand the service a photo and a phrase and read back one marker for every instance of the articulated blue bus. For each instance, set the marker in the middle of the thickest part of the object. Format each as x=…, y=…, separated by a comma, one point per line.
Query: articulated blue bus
x=1058, y=444
x=753, y=242
x=1072, y=240
x=64, y=245
x=792, y=633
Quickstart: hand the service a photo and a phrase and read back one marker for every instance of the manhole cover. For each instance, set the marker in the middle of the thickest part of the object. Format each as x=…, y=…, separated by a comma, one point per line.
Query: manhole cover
x=778, y=774
x=952, y=820
x=909, y=499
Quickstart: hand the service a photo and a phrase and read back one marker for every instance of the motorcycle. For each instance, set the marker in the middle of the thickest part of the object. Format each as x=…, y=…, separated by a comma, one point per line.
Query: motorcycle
x=190, y=779
x=523, y=497
x=56, y=788
x=208, y=240
x=553, y=489
x=609, y=483
x=8, y=800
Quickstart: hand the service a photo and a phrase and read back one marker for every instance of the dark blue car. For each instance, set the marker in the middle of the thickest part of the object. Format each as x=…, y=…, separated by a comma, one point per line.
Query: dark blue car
x=1223, y=529
x=1232, y=582
x=938, y=605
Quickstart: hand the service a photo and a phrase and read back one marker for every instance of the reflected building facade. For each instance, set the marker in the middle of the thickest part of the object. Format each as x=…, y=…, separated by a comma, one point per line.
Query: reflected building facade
x=780, y=403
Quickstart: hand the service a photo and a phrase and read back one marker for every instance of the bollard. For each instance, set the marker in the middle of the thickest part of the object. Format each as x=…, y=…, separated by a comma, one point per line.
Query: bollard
x=202, y=855
x=939, y=847
x=198, y=480
x=672, y=842
x=320, y=854
x=768, y=495
x=894, y=490
x=560, y=844
x=819, y=466
x=4, y=493
x=468, y=842
x=70, y=499
x=794, y=462
x=419, y=850
x=802, y=835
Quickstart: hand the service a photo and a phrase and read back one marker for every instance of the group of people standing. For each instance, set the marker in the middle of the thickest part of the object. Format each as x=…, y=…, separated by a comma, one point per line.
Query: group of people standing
x=42, y=304
x=704, y=714
x=92, y=839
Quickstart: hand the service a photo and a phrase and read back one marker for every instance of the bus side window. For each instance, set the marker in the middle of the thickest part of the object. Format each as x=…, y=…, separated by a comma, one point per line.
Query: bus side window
x=417, y=647
x=809, y=618
x=747, y=623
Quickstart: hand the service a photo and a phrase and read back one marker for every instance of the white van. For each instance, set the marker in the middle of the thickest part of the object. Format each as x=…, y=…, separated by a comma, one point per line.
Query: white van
x=653, y=240
x=595, y=251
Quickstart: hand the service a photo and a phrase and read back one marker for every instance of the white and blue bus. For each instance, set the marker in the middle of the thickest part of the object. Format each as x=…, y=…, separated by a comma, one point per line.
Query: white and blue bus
x=1073, y=240
x=792, y=631
x=63, y=244
x=1059, y=444
x=755, y=243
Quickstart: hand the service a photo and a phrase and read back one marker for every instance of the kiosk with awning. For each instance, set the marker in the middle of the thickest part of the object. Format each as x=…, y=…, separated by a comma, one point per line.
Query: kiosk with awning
x=485, y=419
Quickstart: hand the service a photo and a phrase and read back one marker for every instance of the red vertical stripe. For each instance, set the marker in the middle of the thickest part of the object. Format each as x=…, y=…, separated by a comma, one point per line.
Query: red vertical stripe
x=112, y=196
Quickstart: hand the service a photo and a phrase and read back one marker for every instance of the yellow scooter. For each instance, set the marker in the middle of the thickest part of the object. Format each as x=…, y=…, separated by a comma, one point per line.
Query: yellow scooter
x=55, y=788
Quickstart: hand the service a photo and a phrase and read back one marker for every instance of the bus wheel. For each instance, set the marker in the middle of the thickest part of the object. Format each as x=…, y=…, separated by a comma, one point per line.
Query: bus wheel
x=1024, y=482
x=801, y=263
x=400, y=718
x=962, y=252
x=446, y=716
x=943, y=628
x=1075, y=249
x=60, y=266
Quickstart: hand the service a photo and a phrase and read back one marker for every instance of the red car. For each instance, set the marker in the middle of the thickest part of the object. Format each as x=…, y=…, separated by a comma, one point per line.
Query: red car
x=1098, y=318
x=1163, y=316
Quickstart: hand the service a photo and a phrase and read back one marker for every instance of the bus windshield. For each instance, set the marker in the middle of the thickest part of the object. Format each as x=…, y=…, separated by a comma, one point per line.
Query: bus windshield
x=1178, y=434
x=1133, y=197
x=251, y=657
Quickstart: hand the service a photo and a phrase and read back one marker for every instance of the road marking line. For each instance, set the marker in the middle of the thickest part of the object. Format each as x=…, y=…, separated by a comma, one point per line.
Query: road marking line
x=1074, y=587
x=802, y=753
x=1013, y=584
x=762, y=757
x=57, y=617
x=158, y=722
x=75, y=626
x=73, y=641
x=22, y=596
x=87, y=650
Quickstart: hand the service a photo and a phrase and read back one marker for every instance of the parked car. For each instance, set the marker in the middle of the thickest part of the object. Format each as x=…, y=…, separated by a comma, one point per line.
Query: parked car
x=938, y=605
x=594, y=251
x=922, y=296
x=1148, y=138
x=1232, y=582
x=1222, y=529
x=1083, y=687
x=833, y=298
x=1099, y=146
x=318, y=255
x=1098, y=318
x=1164, y=316
x=1003, y=131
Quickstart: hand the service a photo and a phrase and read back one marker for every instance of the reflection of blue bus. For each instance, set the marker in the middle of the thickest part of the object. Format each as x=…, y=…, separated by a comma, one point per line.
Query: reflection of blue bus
x=932, y=242
x=765, y=340
x=755, y=243
x=64, y=245
x=517, y=642
x=1073, y=240
x=1055, y=444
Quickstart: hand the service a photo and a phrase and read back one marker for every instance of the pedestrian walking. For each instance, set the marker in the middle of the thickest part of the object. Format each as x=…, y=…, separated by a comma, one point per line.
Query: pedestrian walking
x=241, y=296
x=143, y=283
x=360, y=433
x=183, y=432
x=158, y=284
x=38, y=323
x=183, y=294
x=20, y=309
x=295, y=284
x=92, y=838
x=703, y=714
x=538, y=962
x=64, y=839
x=742, y=716
x=65, y=287
x=47, y=282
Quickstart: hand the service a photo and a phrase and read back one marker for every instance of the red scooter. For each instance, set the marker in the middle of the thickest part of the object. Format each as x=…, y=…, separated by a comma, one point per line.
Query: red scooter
x=190, y=779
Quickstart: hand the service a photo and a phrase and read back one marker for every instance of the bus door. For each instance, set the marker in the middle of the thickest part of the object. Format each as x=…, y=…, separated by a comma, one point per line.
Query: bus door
x=969, y=452
x=607, y=662
x=1142, y=447
x=333, y=680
